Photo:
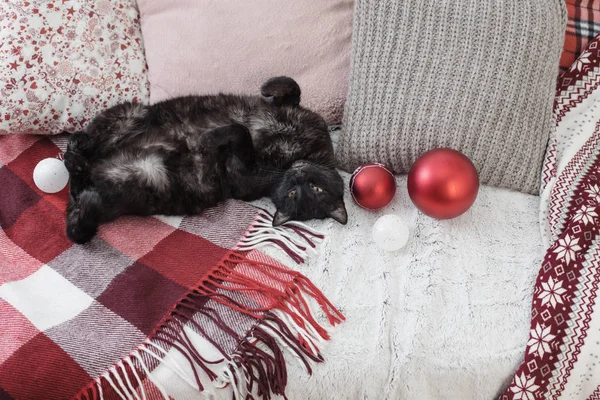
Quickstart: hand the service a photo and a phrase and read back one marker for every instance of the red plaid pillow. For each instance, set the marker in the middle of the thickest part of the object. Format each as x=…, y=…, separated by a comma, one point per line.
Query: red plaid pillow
x=583, y=25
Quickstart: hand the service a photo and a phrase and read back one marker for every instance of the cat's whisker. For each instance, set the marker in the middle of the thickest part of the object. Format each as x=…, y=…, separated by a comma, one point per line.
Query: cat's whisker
x=270, y=170
x=330, y=164
x=269, y=179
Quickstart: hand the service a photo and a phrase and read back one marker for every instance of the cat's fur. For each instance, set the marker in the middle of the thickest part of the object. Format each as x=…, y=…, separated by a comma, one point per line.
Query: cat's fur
x=183, y=155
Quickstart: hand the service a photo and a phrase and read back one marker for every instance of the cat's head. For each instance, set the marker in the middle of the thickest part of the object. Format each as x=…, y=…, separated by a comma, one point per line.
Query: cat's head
x=309, y=191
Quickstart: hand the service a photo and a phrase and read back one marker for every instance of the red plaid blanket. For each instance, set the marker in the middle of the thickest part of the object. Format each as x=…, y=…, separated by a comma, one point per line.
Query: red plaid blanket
x=582, y=26
x=562, y=355
x=189, y=294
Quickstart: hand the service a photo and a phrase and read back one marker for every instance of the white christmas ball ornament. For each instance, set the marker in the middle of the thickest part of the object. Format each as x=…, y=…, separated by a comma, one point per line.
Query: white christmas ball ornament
x=50, y=175
x=390, y=233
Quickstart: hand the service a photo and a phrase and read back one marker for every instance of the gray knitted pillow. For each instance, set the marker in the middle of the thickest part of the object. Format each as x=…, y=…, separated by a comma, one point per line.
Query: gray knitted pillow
x=474, y=75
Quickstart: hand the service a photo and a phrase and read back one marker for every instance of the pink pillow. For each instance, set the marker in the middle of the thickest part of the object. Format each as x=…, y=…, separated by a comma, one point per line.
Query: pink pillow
x=202, y=47
x=62, y=62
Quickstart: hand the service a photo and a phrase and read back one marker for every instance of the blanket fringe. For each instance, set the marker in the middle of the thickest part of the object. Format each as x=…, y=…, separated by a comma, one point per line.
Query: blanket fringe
x=282, y=302
x=296, y=239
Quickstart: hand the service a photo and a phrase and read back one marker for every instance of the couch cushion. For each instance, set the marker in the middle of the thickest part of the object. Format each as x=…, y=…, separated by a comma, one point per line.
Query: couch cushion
x=62, y=62
x=202, y=47
x=477, y=76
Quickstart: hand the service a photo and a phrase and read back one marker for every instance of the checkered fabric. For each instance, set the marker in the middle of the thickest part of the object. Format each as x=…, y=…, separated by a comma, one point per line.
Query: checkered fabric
x=92, y=321
x=583, y=25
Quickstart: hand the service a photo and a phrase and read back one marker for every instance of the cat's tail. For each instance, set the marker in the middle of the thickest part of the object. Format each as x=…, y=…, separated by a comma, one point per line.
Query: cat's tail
x=281, y=91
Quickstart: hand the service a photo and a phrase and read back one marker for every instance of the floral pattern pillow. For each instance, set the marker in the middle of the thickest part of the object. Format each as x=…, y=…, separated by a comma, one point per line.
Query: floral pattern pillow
x=63, y=61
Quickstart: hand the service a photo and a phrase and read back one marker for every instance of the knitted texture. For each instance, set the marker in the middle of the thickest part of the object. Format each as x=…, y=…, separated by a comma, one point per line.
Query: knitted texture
x=477, y=76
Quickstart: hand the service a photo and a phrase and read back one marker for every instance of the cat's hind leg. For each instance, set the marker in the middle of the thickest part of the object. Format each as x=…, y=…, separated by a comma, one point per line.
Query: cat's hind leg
x=110, y=129
x=77, y=164
x=80, y=143
x=84, y=214
x=117, y=126
x=281, y=91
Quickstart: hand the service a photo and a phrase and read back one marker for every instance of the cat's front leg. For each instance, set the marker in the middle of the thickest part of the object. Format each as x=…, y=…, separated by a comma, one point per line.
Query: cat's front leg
x=233, y=150
x=232, y=145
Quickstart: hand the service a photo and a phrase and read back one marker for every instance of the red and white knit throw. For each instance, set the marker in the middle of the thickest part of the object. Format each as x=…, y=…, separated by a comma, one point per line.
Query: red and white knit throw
x=562, y=356
x=192, y=295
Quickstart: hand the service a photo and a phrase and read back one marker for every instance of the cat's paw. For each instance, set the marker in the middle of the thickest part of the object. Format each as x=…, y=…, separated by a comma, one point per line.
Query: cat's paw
x=81, y=233
x=82, y=216
x=80, y=143
x=76, y=164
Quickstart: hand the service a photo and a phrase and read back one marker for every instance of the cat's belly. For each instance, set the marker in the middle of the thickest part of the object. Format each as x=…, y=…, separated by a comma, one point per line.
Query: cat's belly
x=146, y=170
x=155, y=182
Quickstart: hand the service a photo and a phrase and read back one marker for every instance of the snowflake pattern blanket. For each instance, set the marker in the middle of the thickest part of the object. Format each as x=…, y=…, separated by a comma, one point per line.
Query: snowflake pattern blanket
x=191, y=295
x=562, y=356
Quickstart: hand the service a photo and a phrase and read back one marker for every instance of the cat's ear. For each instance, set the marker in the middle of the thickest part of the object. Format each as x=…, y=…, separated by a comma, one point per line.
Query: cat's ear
x=280, y=218
x=339, y=213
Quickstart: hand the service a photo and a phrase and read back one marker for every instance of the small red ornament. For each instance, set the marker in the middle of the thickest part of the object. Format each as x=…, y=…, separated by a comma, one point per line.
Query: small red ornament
x=443, y=183
x=372, y=186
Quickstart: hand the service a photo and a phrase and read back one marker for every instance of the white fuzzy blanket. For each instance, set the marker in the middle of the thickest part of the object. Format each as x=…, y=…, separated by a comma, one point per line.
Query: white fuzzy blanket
x=447, y=317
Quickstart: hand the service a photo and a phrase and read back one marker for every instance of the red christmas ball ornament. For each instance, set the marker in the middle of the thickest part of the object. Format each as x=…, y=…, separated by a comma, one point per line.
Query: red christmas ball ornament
x=372, y=186
x=443, y=183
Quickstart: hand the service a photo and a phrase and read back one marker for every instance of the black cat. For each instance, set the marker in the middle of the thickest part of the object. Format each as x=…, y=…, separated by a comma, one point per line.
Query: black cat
x=183, y=155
